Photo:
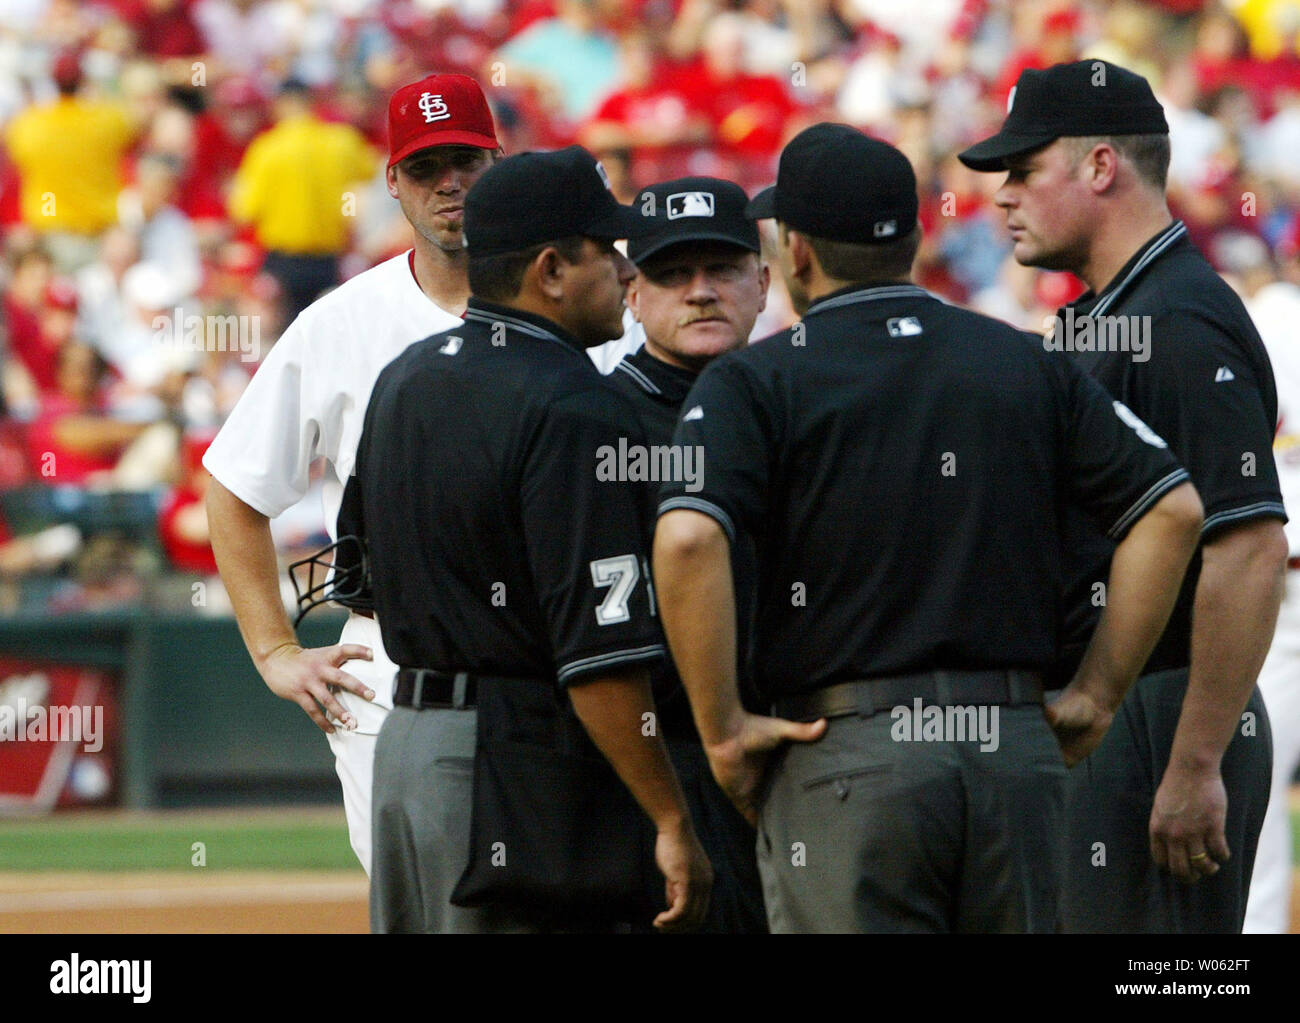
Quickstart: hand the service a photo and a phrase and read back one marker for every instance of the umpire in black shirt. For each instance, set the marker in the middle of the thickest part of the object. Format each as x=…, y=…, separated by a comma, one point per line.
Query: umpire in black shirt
x=700, y=285
x=1164, y=817
x=902, y=465
x=499, y=557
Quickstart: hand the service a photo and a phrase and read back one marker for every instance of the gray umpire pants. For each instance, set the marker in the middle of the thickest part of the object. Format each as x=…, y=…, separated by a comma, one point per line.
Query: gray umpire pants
x=420, y=824
x=861, y=832
x=1112, y=884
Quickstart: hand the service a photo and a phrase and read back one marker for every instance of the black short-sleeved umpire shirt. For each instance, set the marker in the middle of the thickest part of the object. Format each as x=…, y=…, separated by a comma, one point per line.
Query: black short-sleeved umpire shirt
x=494, y=547
x=903, y=466
x=656, y=389
x=1203, y=383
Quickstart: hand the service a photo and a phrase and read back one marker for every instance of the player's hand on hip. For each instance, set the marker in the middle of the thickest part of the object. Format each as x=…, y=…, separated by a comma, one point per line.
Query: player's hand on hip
x=1080, y=722
x=688, y=878
x=1187, y=822
x=310, y=676
x=738, y=763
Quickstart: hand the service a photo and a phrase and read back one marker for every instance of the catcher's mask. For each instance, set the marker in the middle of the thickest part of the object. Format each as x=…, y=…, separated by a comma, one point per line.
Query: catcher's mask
x=345, y=577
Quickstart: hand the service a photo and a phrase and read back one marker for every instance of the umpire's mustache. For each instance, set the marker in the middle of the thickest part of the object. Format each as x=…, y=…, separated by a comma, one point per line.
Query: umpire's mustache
x=710, y=314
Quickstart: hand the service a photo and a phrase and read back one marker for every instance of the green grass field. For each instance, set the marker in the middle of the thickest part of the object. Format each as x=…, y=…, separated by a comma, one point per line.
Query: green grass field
x=232, y=840
x=255, y=840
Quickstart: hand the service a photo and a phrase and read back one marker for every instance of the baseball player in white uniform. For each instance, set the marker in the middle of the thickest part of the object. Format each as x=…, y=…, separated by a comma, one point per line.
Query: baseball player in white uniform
x=1274, y=309
x=308, y=399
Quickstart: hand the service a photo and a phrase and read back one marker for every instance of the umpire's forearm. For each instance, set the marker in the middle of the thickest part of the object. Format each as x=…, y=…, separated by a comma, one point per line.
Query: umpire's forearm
x=245, y=552
x=616, y=710
x=697, y=604
x=1237, y=598
x=1146, y=573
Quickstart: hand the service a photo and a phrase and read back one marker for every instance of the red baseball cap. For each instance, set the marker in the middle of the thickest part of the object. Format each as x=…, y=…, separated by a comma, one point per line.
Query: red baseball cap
x=440, y=110
x=61, y=295
x=66, y=71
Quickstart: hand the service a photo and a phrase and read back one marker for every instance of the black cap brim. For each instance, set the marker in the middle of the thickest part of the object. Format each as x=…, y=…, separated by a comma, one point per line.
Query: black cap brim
x=620, y=222
x=639, y=254
x=992, y=154
x=763, y=205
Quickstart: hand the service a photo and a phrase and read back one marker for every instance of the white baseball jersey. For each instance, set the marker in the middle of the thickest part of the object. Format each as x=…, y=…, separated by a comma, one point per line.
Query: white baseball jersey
x=307, y=399
x=1275, y=309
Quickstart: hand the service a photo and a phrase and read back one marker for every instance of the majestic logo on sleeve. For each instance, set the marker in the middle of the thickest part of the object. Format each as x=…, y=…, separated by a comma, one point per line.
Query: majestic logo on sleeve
x=433, y=108
x=452, y=346
x=696, y=413
x=690, y=204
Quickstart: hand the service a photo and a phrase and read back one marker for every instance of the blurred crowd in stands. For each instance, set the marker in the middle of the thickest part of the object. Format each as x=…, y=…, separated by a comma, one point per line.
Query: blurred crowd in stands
x=179, y=177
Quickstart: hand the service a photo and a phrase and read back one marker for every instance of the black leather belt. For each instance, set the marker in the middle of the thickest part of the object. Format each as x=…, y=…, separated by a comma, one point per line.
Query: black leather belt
x=423, y=687
x=866, y=697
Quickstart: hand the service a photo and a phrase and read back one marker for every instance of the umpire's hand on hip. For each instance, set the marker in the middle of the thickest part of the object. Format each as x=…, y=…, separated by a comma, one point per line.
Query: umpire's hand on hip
x=738, y=762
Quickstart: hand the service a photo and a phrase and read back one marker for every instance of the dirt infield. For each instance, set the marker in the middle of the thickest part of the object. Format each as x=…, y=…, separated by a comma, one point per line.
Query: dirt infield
x=97, y=873
x=315, y=902
x=228, y=902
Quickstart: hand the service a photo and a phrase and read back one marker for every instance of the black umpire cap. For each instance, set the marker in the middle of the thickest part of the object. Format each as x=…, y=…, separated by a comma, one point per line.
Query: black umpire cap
x=534, y=198
x=836, y=183
x=693, y=210
x=1089, y=97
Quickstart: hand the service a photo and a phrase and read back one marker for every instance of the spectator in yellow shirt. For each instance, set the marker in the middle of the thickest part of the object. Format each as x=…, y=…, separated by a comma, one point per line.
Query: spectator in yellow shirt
x=1273, y=26
x=69, y=159
x=291, y=187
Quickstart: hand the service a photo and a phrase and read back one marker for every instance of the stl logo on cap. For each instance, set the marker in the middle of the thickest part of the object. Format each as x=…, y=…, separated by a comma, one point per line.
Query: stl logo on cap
x=690, y=204
x=438, y=110
x=433, y=108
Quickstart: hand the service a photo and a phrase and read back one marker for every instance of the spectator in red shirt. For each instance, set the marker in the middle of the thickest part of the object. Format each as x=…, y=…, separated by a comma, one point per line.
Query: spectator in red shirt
x=1054, y=40
x=1222, y=58
x=241, y=111
x=1221, y=54
x=748, y=112
x=183, y=518
x=71, y=441
x=650, y=116
x=163, y=28
x=24, y=307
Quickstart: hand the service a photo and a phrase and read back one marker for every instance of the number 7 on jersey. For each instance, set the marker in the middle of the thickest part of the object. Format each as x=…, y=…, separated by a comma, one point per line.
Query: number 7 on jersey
x=620, y=574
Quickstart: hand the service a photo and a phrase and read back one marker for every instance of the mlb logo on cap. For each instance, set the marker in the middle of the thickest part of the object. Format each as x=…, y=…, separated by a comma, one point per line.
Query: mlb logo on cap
x=693, y=209
x=885, y=228
x=690, y=204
